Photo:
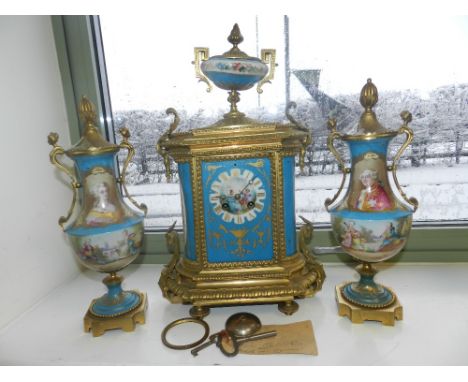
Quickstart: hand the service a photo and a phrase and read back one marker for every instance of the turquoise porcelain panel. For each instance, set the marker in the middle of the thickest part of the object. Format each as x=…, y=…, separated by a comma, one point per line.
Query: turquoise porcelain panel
x=86, y=231
x=86, y=163
x=238, y=210
x=233, y=81
x=187, y=205
x=289, y=207
x=378, y=146
x=360, y=215
x=234, y=73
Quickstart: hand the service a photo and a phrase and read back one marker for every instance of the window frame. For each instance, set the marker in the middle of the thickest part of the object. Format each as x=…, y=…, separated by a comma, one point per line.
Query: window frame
x=83, y=73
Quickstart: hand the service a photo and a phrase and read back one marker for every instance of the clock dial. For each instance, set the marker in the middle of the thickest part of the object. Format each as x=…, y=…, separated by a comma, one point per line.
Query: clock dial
x=237, y=195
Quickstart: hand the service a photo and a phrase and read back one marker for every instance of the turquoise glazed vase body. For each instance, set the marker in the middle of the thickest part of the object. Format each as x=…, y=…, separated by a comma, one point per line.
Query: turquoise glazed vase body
x=106, y=235
x=370, y=223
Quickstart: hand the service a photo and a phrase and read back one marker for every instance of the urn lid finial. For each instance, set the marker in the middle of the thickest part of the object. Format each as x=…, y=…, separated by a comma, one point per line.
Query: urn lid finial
x=368, y=123
x=87, y=111
x=92, y=142
x=235, y=38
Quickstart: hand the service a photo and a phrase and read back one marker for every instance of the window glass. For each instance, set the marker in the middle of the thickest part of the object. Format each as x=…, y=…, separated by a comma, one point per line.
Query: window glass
x=421, y=69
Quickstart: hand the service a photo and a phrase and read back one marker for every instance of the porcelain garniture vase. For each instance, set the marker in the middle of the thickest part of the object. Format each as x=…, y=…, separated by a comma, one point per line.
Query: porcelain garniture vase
x=106, y=234
x=370, y=223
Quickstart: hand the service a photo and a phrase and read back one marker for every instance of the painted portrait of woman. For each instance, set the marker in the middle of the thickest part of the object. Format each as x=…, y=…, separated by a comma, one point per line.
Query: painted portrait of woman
x=103, y=211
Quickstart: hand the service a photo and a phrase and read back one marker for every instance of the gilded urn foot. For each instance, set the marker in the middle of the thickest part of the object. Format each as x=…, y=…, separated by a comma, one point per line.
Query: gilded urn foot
x=366, y=292
x=127, y=322
x=199, y=312
x=357, y=314
x=116, y=301
x=288, y=307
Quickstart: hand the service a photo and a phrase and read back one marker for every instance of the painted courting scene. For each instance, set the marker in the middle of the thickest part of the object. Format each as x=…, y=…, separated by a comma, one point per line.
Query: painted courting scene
x=371, y=240
x=108, y=249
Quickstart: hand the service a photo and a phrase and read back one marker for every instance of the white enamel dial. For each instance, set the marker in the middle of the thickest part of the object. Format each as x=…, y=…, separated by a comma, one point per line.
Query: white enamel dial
x=237, y=195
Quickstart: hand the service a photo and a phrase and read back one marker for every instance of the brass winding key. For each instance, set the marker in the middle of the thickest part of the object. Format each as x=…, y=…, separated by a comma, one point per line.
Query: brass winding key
x=229, y=344
x=211, y=340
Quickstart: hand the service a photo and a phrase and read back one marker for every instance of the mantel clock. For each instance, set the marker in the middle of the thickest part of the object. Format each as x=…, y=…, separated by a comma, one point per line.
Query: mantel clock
x=237, y=185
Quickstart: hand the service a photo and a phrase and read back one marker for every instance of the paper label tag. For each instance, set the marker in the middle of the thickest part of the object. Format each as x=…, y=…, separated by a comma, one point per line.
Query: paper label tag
x=295, y=338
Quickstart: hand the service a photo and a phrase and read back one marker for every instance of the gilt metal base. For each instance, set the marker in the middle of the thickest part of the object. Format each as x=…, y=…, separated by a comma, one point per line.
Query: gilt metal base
x=270, y=285
x=358, y=314
x=127, y=321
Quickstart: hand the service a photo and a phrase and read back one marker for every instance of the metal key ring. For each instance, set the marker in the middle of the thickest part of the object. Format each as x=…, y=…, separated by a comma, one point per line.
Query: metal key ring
x=185, y=321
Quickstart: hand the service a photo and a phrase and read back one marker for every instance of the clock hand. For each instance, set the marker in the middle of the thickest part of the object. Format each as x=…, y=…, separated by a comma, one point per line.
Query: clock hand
x=247, y=185
x=237, y=196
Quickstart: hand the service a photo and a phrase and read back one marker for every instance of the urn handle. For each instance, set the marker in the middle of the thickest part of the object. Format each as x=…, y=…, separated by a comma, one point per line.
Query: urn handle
x=341, y=164
x=201, y=54
x=268, y=56
x=56, y=151
x=125, y=144
x=160, y=147
x=407, y=117
x=167, y=274
x=173, y=246
x=306, y=141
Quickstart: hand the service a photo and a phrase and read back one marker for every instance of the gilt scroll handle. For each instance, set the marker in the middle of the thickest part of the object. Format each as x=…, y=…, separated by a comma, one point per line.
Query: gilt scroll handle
x=160, y=146
x=167, y=274
x=305, y=238
x=173, y=246
x=306, y=141
x=268, y=56
x=57, y=151
x=404, y=129
x=341, y=164
x=125, y=144
x=201, y=54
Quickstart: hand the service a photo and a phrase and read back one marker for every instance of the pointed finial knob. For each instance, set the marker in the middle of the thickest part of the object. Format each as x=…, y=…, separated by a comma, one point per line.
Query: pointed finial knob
x=235, y=38
x=368, y=123
x=369, y=95
x=87, y=111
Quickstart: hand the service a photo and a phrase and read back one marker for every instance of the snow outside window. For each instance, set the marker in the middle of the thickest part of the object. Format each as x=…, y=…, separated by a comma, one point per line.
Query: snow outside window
x=322, y=65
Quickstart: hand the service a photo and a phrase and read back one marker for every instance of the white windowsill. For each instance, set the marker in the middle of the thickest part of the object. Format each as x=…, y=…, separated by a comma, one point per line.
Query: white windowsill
x=434, y=330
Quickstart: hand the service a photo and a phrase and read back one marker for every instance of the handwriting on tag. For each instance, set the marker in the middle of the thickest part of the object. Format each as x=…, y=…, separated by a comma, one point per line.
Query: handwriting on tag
x=295, y=338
